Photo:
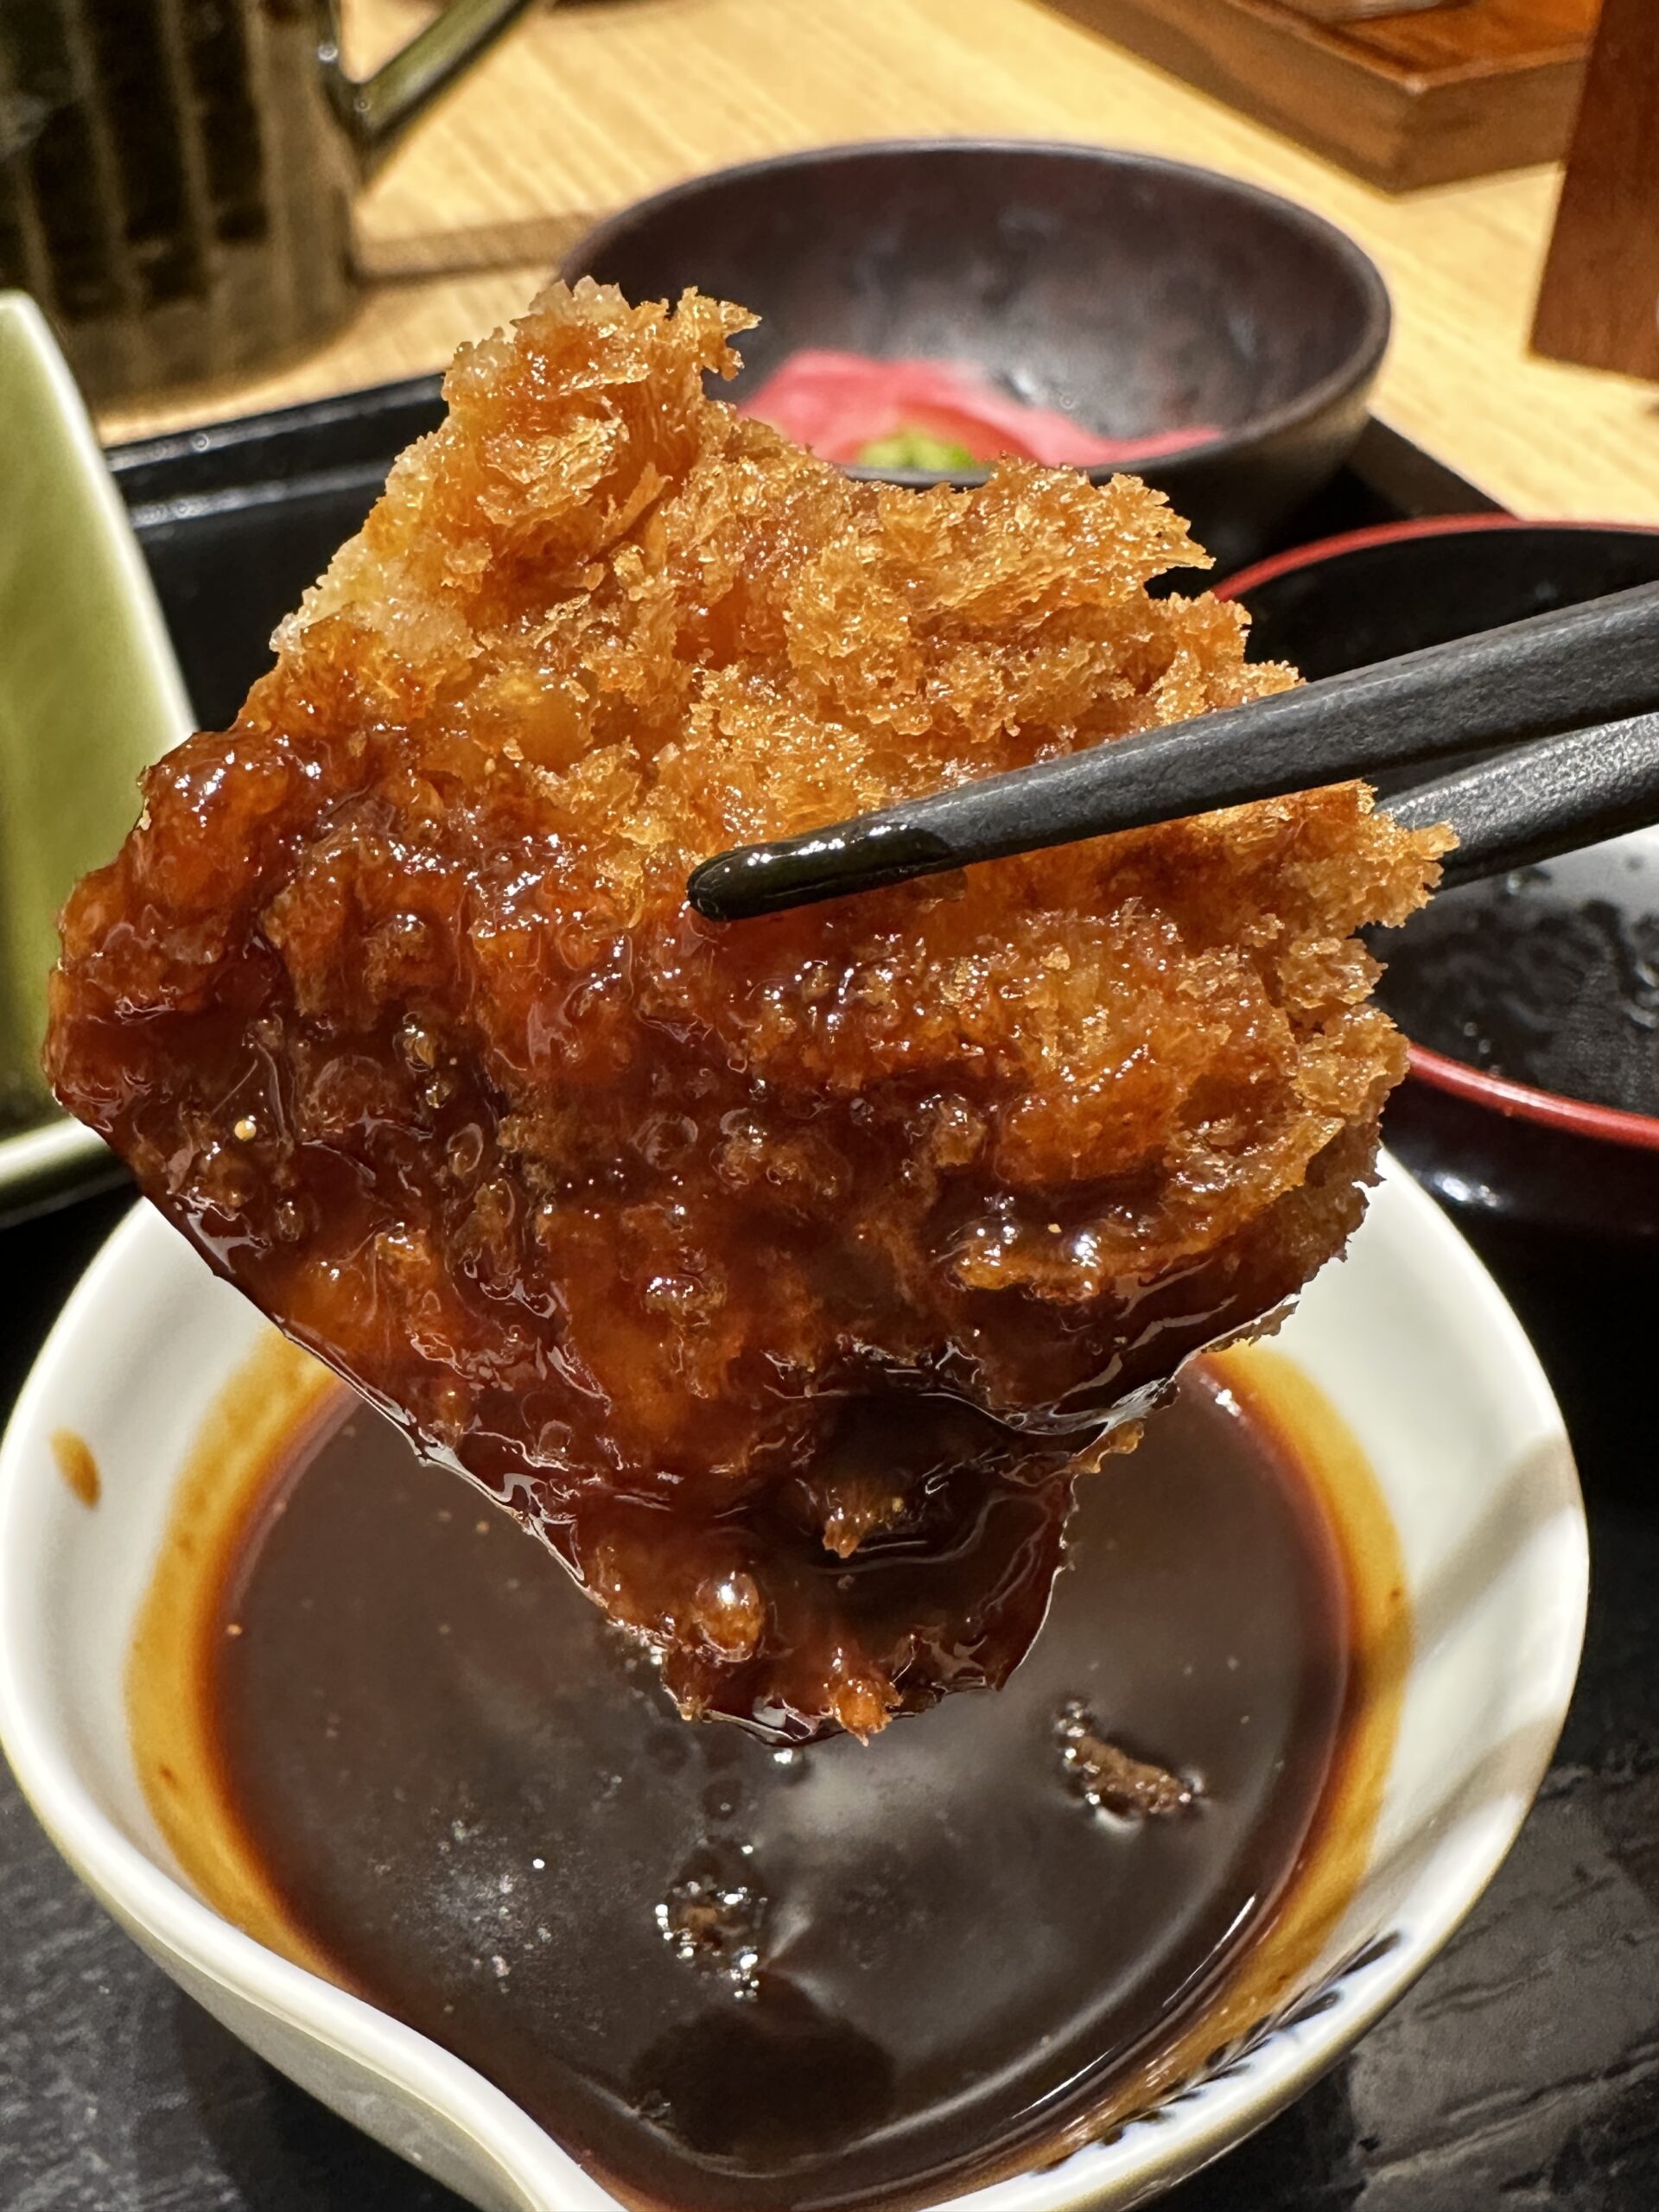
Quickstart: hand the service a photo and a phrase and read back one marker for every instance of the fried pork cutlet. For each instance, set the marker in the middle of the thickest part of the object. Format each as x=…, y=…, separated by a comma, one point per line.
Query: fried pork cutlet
x=780, y=1275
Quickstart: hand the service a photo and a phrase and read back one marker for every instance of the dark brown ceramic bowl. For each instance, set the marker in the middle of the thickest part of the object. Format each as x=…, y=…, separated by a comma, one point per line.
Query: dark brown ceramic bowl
x=1137, y=295
x=1497, y=1150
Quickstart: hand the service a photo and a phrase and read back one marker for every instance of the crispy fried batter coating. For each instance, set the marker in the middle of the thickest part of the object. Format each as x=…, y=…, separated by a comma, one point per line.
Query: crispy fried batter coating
x=775, y=1271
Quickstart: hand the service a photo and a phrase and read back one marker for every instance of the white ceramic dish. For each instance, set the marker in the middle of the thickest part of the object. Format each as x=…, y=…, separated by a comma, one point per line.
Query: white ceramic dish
x=90, y=694
x=1409, y=1338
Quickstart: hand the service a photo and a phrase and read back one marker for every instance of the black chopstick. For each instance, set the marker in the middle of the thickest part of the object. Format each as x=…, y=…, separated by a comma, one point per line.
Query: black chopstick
x=1517, y=808
x=1567, y=671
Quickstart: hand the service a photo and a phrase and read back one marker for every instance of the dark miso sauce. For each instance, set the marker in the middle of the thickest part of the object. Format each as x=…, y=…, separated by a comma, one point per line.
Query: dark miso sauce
x=727, y=1976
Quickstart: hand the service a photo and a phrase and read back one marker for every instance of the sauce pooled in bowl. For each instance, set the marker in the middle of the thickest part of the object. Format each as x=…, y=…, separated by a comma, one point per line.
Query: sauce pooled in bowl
x=721, y=1972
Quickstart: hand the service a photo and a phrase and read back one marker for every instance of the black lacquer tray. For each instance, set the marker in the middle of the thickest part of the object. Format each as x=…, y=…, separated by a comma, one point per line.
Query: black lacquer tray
x=1521, y=2074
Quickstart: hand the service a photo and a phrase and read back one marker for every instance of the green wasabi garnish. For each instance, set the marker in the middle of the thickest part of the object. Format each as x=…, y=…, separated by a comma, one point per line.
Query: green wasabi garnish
x=915, y=449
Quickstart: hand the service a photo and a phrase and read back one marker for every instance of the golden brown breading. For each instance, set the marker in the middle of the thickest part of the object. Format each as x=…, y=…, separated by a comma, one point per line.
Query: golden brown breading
x=694, y=1243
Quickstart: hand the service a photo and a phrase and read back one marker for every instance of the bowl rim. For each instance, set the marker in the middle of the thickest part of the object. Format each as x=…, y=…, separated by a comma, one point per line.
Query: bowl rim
x=50, y=1157
x=1500, y=1094
x=1354, y=372
x=144, y=1896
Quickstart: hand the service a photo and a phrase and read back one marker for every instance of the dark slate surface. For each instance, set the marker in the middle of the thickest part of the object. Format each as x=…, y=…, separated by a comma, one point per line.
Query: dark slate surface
x=1521, y=2074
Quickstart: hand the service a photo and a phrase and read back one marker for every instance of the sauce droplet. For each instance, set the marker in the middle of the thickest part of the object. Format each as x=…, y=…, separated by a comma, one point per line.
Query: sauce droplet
x=77, y=1465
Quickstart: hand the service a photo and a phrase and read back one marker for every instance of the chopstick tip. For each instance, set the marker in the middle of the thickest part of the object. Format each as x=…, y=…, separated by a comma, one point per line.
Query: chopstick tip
x=716, y=888
x=833, y=863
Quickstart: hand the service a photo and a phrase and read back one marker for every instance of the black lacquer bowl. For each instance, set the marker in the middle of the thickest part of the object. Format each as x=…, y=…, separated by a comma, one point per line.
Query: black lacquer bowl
x=1532, y=1004
x=1135, y=295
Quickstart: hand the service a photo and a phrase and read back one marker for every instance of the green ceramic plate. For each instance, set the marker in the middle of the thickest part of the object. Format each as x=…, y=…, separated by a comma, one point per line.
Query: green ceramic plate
x=89, y=694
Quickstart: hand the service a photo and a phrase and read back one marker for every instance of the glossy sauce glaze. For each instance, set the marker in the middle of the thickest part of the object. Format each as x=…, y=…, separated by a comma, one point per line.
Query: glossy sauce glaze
x=725, y=1974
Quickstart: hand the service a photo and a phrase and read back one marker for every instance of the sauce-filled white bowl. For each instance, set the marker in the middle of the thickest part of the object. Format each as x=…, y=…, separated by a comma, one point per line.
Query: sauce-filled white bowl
x=1408, y=1341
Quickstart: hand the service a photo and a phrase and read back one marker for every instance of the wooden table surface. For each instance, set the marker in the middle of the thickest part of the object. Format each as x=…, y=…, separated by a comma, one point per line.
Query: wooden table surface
x=586, y=106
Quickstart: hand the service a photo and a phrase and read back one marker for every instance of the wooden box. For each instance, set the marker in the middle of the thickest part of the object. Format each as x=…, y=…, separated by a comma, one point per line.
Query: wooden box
x=1420, y=98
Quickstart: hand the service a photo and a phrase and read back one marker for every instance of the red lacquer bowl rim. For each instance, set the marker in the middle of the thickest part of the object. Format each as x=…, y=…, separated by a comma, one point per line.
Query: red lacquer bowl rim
x=1498, y=1093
